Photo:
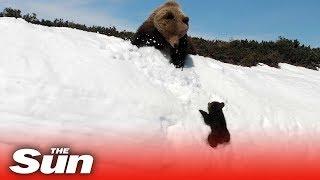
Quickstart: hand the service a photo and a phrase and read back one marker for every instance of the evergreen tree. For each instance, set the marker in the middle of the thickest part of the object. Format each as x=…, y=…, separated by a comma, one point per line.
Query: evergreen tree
x=9, y=12
x=32, y=18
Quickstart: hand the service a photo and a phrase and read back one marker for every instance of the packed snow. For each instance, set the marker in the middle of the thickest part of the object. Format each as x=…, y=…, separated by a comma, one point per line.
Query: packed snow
x=63, y=82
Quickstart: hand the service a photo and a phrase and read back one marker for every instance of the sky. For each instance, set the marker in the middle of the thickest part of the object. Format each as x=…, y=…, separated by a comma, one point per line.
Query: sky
x=210, y=19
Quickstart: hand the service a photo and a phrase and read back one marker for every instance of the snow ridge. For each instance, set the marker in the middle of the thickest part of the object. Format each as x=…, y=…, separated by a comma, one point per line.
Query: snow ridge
x=62, y=81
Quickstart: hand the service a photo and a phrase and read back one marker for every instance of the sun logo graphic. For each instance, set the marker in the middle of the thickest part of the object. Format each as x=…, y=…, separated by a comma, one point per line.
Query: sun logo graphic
x=30, y=161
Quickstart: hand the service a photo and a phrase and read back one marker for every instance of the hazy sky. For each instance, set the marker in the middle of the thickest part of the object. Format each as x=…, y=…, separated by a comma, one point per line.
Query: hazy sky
x=214, y=19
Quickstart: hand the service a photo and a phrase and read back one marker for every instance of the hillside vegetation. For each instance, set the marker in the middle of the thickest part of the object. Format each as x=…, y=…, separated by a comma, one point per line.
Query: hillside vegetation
x=239, y=52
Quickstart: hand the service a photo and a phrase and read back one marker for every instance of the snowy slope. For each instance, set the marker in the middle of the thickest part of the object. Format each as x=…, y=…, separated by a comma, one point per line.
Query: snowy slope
x=62, y=82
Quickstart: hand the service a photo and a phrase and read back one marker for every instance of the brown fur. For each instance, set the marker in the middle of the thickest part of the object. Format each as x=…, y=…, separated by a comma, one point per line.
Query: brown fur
x=171, y=29
x=166, y=29
x=216, y=120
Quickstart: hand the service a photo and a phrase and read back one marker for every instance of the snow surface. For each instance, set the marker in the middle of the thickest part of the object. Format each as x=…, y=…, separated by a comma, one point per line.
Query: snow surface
x=63, y=82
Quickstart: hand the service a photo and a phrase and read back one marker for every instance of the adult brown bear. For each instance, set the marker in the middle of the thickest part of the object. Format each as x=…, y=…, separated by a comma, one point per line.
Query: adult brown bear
x=166, y=29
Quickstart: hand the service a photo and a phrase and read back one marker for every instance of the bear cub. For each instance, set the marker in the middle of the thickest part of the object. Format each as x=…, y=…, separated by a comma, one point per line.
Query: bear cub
x=216, y=120
x=166, y=30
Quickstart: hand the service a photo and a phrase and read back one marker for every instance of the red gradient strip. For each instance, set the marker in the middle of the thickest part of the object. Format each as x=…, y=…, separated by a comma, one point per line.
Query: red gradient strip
x=270, y=163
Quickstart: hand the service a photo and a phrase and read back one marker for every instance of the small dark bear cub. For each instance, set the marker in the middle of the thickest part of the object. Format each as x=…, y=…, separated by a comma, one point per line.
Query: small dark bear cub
x=216, y=120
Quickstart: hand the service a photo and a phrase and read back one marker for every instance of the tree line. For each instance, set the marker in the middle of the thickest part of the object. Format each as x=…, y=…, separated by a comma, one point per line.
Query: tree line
x=239, y=52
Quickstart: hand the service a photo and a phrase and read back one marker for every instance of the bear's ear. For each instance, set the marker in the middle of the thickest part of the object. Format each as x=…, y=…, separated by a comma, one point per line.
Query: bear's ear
x=221, y=105
x=204, y=114
x=171, y=3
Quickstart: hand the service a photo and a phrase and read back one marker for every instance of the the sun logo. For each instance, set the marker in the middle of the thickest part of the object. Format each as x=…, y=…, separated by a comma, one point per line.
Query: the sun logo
x=65, y=163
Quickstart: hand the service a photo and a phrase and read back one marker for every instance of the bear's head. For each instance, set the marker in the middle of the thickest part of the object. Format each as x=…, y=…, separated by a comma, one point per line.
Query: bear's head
x=215, y=107
x=171, y=22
